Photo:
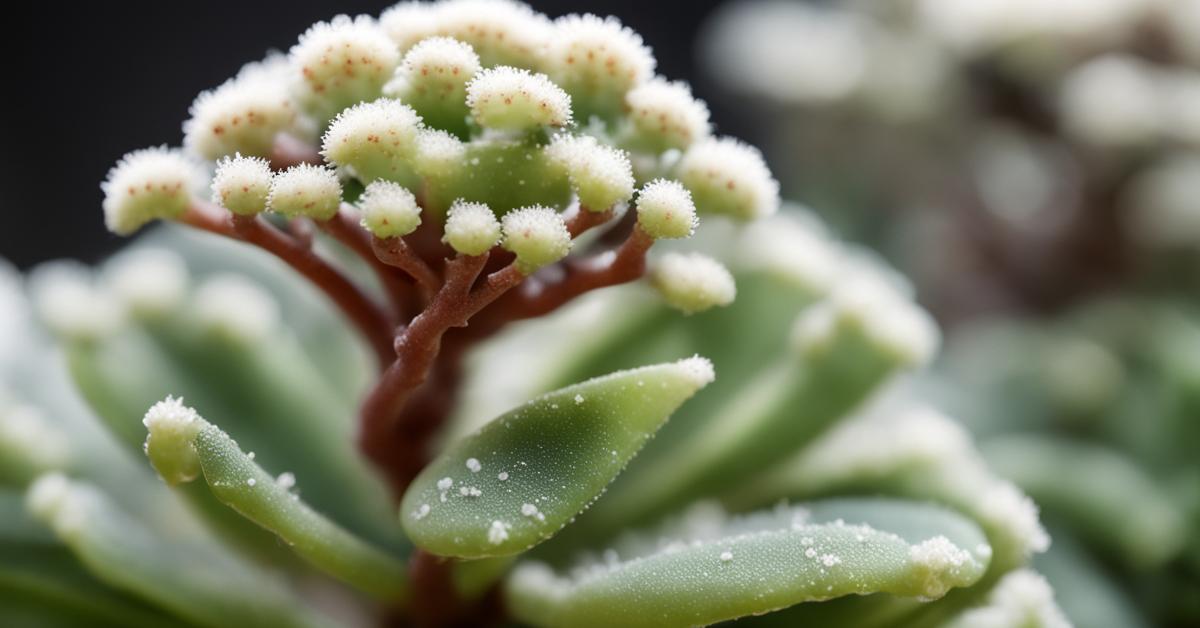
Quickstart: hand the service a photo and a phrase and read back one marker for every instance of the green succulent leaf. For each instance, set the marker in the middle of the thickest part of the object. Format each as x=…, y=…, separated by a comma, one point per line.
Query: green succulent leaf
x=712, y=568
x=529, y=472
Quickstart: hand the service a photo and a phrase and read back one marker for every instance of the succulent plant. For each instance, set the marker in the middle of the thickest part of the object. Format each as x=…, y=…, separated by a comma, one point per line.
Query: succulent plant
x=377, y=432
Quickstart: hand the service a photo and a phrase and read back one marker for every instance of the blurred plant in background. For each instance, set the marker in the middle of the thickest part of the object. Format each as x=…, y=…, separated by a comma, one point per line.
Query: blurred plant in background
x=389, y=206
x=1034, y=166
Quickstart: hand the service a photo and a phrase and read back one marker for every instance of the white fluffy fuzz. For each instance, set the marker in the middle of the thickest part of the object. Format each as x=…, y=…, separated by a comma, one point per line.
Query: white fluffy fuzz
x=601, y=175
x=235, y=308
x=244, y=114
x=305, y=190
x=407, y=23
x=149, y=282
x=171, y=428
x=435, y=71
x=666, y=115
x=242, y=184
x=692, y=282
x=147, y=185
x=536, y=235
x=596, y=57
x=508, y=98
x=665, y=210
x=729, y=177
x=389, y=210
x=342, y=62
x=502, y=32
x=383, y=131
x=438, y=153
x=471, y=228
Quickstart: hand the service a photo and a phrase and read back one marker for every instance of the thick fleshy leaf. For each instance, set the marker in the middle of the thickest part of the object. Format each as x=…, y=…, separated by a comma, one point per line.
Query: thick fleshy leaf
x=712, y=568
x=526, y=474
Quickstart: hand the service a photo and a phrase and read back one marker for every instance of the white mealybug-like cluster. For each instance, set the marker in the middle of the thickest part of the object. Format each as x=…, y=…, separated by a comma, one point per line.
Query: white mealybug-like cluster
x=601, y=175
x=150, y=282
x=597, y=60
x=665, y=210
x=389, y=210
x=242, y=184
x=244, y=114
x=235, y=308
x=147, y=185
x=938, y=560
x=515, y=99
x=372, y=139
x=729, y=177
x=693, y=282
x=536, y=235
x=305, y=190
x=435, y=71
x=171, y=427
x=341, y=62
x=471, y=228
x=666, y=115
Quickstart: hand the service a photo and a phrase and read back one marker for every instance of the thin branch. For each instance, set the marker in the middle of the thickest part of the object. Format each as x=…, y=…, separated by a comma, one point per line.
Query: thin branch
x=395, y=252
x=585, y=219
x=345, y=229
x=370, y=319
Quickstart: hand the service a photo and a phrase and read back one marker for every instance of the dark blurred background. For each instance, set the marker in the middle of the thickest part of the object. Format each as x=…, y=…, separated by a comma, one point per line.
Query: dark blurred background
x=88, y=82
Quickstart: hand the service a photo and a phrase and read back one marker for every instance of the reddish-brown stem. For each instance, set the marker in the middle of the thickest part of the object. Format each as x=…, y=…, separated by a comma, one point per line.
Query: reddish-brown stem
x=288, y=151
x=345, y=229
x=434, y=600
x=396, y=253
x=367, y=316
x=585, y=219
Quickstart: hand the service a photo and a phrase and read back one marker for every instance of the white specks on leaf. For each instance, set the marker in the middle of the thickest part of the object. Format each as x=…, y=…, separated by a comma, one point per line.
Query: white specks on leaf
x=421, y=513
x=726, y=556
x=251, y=482
x=503, y=476
x=444, y=484
x=498, y=532
x=473, y=465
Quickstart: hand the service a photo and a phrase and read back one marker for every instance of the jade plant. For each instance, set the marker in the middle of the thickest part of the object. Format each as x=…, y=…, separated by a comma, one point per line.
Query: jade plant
x=317, y=394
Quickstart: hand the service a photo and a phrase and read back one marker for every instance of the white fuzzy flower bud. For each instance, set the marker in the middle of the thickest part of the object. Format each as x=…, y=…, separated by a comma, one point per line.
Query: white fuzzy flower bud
x=244, y=114
x=508, y=98
x=536, y=235
x=1112, y=100
x=434, y=75
x=692, y=282
x=666, y=115
x=241, y=184
x=171, y=429
x=601, y=175
x=342, y=62
x=597, y=61
x=233, y=307
x=389, y=210
x=305, y=190
x=149, y=282
x=373, y=140
x=665, y=210
x=407, y=23
x=471, y=228
x=147, y=185
x=70, y=303
x=438, y=154
x=503, y=32
x=794, y=247
x=729, y=177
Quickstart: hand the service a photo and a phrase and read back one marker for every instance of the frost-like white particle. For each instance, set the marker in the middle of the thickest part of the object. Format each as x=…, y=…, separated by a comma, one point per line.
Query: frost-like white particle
x=503, y=476
x=251, y=482
x=421, y=512
x=444, y=484
x=473, y=465
x=726, y=556
x=286, y=480
x=578, y=399
x=830, y=560
x=498, y=532
x=529, y=510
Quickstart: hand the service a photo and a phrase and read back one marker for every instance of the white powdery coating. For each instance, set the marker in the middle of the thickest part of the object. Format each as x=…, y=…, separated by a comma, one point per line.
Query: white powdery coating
x=590, y=54
x=510, y=98
x=728, y=176
x=385, y=127
x=242, y=184
x=869, y=302
x=234, y=307
x=601, y=175
x=792, y=248
x=501, y=31
x=171, y=417
x=1006, y=507
x=699, y=369
x=1112, y=100
x=668, y=113
x=536, y=235
x=286, y=481
x=305, y=190
x=1160, y=205
x=471, y=228
x=692, y=282
x=421, y=512
x=148, y=281
x=438, y=153
x=342, y=61
x=1021, y=598
x=389, y=209
x=938, y=560
x=244, y=114
x=438, y=64
x=473, y=465
x=26, y=435
x=498, y=532
x=665, y=210
x=444, y=484
x=147, y=185
x=407, y=23
x=68, y=301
